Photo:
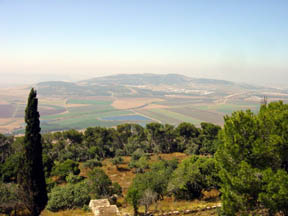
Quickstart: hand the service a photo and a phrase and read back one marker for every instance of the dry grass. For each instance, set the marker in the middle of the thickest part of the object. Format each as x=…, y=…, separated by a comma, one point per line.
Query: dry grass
x=176, y=155
x=73, y=212
x=211, y=195
x=124, y=177
x=169, y=204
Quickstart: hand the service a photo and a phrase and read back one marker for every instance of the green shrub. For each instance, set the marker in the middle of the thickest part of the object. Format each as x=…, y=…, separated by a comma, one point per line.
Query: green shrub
x=100, y=184
x=116, y=189
x=9, y=199
x=92, y=163
x=48, y=165
x=9, y=169
x=63, y=169
x=50, y=184
x=86, y=208
x=137, y=154
x=117, y=160
x=68, y=197
x=73, y=179
x=139, y=164
x=193, y=175
x=120, y=152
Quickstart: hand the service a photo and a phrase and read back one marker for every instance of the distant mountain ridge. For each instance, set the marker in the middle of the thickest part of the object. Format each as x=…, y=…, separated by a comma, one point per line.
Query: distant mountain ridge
x=149, y=78
x=120, y=85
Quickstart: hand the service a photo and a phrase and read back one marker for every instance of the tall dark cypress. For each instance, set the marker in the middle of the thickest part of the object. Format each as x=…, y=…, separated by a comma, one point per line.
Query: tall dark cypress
x=31, y=176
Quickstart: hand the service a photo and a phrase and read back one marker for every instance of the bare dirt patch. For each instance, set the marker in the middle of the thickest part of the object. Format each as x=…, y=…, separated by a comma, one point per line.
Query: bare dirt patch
x=52, y=101
x=19, y=92
x=46, y=110
x=130, y=103
x=7, y=125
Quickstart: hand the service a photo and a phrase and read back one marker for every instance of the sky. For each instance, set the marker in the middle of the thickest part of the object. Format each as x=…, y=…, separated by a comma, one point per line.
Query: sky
x=71, y=40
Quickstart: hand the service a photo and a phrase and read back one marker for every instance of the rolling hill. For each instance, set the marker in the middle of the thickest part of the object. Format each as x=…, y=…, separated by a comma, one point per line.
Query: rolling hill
x=140, y=98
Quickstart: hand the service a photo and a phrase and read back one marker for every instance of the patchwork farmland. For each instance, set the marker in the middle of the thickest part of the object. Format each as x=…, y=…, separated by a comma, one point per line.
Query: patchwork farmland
x=111, y=101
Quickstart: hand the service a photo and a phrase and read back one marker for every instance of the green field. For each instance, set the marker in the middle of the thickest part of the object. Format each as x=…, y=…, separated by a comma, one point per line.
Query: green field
x=80, y=117
x=95, y=111
x=79, y=112
x=227, y=108
x=89, y=113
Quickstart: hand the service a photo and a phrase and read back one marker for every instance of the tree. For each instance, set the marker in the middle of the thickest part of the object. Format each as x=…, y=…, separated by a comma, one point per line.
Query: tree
x=9, y=169
x=148, y=198
x=275, y=197
x=5, y=147
x=133, y=197
x=162, y=138
x=9, y=201
x=192, y=176
x=100, y=184
x=253, y=159
x=31, y=176
x=188, y=138
x=64, y=169
x=149, y=187
x=208, y=138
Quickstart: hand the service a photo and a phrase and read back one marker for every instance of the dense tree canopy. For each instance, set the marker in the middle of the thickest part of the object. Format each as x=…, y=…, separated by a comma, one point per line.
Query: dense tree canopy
x=252, y=156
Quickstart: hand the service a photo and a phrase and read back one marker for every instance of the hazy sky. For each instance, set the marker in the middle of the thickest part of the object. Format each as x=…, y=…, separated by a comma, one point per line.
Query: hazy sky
x=238, y=40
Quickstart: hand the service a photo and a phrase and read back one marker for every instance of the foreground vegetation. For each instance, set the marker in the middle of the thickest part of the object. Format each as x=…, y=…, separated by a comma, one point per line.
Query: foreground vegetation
x=246, y=161
x=64, y=151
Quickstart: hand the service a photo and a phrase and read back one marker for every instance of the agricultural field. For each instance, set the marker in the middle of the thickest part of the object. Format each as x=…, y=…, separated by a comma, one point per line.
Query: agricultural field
x=110, y=101
x=77, y=113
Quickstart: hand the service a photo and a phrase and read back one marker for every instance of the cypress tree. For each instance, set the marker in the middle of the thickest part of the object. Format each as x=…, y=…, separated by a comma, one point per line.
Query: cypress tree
x=31, y=176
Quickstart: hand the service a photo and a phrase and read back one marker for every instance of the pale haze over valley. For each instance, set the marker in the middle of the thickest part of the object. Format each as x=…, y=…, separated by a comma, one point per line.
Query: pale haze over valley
x=143, y=107
x=242, y=41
